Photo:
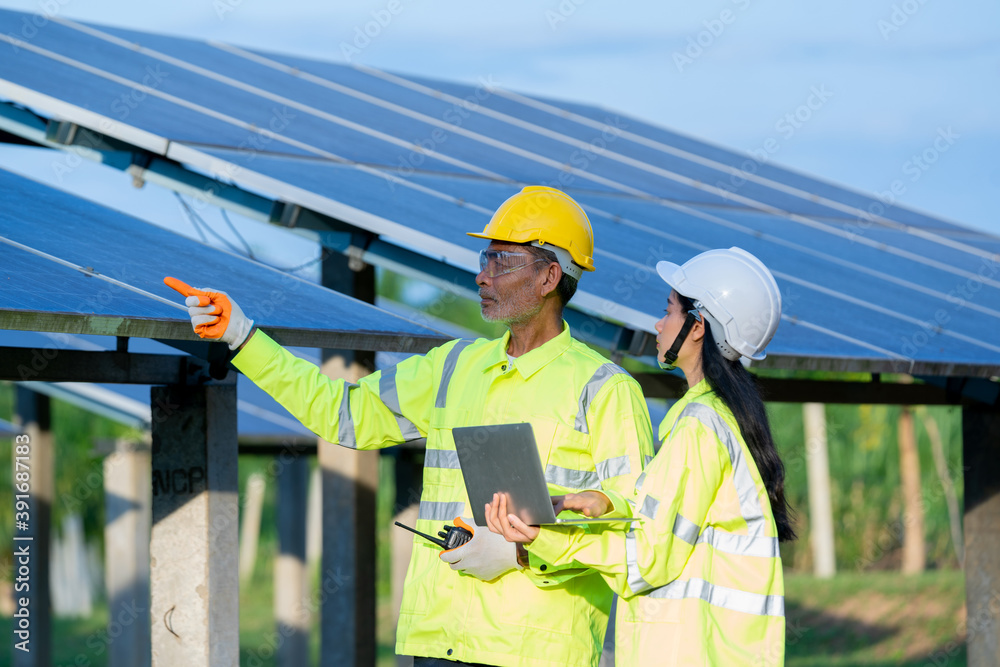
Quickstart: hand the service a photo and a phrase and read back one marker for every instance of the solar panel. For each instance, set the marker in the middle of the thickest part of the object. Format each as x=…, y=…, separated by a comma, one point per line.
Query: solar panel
x=420, y=162
x=209, y=84
x=72, y=266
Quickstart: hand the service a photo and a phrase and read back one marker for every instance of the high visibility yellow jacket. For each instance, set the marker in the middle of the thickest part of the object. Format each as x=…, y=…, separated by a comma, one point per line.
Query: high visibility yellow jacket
x=592, y=429
x=701, y=574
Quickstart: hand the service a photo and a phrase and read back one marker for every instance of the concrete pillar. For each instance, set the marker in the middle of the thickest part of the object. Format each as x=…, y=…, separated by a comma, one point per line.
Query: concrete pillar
x=981, y=454
x=347, y=618
x=250, y=525
x=193, y=549
x=314, y=521
x=33, y=465
x=818, y=475
x=402, y=549
x=290, y=574
x=409, y=478
x=914, y=549
x=128, y=515
x=71, y=583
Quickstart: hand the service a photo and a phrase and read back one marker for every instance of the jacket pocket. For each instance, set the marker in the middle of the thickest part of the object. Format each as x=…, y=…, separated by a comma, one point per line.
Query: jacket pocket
x=548, y=610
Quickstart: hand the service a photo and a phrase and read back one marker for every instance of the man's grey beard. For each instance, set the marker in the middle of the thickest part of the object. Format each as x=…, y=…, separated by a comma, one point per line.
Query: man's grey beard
x=516, y=307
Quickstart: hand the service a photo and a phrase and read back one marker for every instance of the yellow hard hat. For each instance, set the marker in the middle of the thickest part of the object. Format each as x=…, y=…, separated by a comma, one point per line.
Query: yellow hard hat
x=542, y=215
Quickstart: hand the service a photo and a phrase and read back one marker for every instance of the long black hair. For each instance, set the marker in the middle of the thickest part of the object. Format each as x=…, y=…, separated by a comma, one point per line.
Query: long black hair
x=739, y=391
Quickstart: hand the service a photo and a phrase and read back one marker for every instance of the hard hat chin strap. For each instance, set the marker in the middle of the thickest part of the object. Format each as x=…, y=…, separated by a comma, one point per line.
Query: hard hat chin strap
x=670, y=358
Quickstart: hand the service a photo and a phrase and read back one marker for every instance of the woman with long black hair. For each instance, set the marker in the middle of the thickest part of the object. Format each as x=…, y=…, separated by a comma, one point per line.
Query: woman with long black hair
x=700, y=575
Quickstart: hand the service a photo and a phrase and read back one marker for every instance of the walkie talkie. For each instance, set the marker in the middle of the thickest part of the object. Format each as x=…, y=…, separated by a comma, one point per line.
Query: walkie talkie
x=452, y=536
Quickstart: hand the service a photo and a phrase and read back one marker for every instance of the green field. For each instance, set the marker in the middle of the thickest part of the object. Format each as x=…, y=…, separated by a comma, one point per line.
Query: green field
x=875, y=619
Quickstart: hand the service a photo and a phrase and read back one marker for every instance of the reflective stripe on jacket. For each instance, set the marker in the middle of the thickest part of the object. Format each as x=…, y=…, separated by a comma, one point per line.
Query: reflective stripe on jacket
x=702, y=573
x=592, y=428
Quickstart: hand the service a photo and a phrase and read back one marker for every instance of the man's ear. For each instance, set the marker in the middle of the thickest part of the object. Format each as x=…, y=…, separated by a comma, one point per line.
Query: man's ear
x=550, y=278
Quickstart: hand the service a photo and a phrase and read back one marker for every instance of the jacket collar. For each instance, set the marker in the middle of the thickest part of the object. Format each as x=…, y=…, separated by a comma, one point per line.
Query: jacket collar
x=531, y=362
x=694, y=392
x=689, y=396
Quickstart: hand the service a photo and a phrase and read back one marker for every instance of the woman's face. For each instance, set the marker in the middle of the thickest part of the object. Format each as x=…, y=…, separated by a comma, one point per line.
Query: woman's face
x=669, y=325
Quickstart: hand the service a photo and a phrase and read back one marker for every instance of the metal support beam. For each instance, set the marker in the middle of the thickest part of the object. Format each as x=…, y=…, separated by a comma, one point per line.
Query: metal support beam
x=31, y=539
x=8, y=138
x=193, y=548
x=347, y=619
x=208, y=191
x=20, y=364
x=981, y=452
x=23, y=124
x=778, y=390
x=106, y=325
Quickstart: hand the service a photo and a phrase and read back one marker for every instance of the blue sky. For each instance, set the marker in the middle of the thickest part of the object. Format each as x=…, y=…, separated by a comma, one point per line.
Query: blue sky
x=894, y=75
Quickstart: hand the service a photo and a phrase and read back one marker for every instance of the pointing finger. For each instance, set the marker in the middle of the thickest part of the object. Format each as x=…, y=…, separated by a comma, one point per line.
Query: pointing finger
x=187, y=290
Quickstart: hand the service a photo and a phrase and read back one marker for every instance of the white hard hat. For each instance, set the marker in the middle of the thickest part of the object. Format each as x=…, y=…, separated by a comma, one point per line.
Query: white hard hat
x=735, y=292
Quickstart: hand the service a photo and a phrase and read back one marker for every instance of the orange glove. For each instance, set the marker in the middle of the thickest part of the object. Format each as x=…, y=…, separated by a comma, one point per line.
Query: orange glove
x=213, y=314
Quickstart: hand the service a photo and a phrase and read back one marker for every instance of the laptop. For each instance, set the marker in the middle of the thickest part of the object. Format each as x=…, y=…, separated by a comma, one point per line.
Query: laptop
x=503, y=458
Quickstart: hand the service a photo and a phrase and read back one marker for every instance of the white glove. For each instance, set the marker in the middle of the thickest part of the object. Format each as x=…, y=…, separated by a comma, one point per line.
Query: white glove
x=486, y=556
x=236, y=329
x=213, y=314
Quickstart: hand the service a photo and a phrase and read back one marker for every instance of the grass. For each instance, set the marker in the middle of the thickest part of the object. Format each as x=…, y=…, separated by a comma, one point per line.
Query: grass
x=875, y=619
x=871, y=620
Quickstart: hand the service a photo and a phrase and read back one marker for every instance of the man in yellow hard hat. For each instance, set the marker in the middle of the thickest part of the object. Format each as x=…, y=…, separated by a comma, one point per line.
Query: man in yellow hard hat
x=482, y=603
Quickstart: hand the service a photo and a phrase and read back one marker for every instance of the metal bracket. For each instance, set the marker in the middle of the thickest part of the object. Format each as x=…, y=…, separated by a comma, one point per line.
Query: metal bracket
x=285, y=214
x=61, y=132
x=137, y=170
x=355, y=258
x=196, y=372
x=208, y=362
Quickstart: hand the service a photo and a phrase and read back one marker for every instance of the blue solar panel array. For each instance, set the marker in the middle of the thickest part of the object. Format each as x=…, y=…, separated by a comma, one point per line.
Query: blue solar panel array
x=866, y=287
x=61, y=255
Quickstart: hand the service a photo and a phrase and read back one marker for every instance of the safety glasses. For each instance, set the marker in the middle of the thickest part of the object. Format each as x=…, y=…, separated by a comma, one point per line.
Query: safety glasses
x=500, y=262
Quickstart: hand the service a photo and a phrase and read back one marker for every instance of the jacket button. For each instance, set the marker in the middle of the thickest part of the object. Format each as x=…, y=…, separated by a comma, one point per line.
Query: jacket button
x=449, y=651
x=543, y=567
x=503, y=368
